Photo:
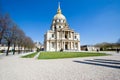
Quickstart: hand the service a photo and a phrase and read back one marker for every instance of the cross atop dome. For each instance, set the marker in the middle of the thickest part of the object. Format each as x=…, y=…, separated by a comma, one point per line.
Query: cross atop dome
x=59, y=9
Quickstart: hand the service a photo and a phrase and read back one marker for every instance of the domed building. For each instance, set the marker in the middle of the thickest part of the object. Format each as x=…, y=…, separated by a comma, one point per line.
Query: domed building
x=60, y=36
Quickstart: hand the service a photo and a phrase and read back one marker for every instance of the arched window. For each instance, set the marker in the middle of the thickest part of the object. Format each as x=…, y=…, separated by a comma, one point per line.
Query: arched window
x=59, y=26
x=55, y=27
x=61, y=21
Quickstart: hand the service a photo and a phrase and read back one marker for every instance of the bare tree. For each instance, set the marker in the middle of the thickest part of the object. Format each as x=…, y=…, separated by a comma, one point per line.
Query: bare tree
x=15, y=32
x=7, y=34
x=28, y=44
x=13, y=35
x=20, y=39
x=4, y=20
x=8, y=37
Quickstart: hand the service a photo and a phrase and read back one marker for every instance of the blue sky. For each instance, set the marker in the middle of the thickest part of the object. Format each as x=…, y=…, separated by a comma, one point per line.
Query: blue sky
x=96, y=20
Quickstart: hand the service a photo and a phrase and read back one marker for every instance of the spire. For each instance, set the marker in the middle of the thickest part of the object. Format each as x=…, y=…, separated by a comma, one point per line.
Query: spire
x=59, y=10
x=58, y=5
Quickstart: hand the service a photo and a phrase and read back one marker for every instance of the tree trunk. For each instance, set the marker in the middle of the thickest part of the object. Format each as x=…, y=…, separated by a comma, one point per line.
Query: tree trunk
x=18, y=49
x=31, y=50
x=21, y=49
x=0, y=40
x=24, y=50
x=8, y=49
x=14, y=49
x=1, y=35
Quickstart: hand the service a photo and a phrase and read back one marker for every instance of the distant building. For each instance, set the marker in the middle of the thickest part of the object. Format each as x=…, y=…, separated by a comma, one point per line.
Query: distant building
x=4, y=47
x=89, y=48
x=60, y=36
x=38, y=45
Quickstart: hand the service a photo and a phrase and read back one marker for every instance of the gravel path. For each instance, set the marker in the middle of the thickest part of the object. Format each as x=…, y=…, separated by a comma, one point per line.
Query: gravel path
x=91, y=68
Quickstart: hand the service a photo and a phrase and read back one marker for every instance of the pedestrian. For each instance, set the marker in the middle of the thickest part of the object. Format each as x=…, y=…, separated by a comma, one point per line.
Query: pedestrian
x=97, y=50
x=117, y=50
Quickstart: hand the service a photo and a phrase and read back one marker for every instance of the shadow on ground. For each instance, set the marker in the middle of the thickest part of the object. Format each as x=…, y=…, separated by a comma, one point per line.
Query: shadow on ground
x=101, y=62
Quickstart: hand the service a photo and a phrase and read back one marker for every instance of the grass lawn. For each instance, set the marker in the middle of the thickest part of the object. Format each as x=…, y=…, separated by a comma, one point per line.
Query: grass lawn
x=57, y=55
x=30, y=55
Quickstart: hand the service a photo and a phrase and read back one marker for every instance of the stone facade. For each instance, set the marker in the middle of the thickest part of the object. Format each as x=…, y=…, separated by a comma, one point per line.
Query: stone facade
x=60, y=36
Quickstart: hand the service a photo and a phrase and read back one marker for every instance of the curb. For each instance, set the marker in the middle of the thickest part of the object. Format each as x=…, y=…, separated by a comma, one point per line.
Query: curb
x=36, y=56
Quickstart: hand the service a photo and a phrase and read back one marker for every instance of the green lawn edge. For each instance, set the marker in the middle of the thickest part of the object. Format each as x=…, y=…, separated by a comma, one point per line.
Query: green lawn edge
x=61, y=55
x=30, y=55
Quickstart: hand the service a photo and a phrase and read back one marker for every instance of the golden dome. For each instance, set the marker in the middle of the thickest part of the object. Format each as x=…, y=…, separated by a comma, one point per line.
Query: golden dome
x=59, y=16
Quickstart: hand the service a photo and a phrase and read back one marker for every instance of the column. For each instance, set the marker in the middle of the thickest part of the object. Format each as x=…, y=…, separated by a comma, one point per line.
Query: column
x=70, y=34
x=74, y=45
x=67, y=35
x=71, y=44
x=63, y=45
x=79, y=46
x=48, y=45
x=68, y=46
x=63, y=36
x=73, y=35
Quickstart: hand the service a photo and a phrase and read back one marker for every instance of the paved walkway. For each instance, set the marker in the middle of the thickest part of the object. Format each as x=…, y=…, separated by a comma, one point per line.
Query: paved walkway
x=90, y=68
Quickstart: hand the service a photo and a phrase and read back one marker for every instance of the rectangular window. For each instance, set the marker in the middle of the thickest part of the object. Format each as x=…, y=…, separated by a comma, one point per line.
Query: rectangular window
x=52, y=44
x=69, y=35
x=52, y=35
x=75, y=37
x=76, y=45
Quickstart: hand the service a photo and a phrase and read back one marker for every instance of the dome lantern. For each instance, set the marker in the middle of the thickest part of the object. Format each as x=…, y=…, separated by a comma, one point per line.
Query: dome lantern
x=59, y=14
